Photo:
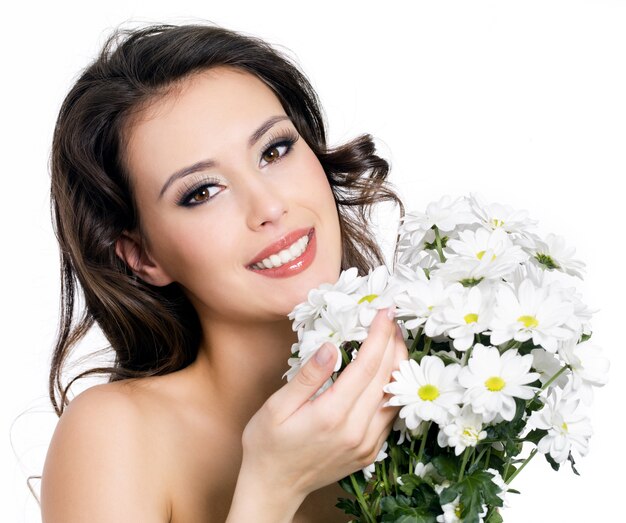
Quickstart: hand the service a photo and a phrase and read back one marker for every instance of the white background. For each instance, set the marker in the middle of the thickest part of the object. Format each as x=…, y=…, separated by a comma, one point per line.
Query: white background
x=522, y=101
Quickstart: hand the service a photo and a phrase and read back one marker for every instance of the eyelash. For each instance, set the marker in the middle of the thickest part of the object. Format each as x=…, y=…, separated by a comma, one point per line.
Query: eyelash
x=287, y=138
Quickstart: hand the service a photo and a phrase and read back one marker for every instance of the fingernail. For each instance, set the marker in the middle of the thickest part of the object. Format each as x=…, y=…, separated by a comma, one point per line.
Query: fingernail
x=323, y=354
x=391, y=313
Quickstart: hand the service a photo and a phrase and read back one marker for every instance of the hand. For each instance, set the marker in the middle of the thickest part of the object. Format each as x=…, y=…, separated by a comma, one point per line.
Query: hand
x=300, y=445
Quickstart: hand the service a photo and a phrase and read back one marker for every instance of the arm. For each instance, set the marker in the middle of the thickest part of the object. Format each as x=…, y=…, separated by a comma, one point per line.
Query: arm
x=99, y=467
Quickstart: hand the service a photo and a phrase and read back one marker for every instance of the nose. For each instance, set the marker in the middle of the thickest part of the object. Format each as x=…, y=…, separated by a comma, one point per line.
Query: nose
x=266, y=204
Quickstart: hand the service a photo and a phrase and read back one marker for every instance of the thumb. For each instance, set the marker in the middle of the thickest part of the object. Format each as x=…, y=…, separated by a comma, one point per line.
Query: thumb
x=311, y=376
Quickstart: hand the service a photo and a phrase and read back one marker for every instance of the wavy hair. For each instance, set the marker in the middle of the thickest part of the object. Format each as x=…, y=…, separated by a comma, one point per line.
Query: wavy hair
x=155, y=330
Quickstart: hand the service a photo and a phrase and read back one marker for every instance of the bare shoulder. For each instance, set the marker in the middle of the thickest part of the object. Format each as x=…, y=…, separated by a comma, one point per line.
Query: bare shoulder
x=102, y=463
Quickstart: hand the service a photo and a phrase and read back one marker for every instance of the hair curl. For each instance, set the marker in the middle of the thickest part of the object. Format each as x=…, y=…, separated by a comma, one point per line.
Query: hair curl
x=155, y=330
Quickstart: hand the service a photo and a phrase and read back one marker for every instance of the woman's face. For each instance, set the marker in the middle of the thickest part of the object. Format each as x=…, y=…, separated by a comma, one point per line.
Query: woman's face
x=217, y=183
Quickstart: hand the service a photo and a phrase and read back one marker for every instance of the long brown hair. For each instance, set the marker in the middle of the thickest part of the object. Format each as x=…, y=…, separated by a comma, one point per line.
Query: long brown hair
x=155, y=330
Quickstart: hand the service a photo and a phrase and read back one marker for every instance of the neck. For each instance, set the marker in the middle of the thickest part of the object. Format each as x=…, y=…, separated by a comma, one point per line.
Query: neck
x=240, y=366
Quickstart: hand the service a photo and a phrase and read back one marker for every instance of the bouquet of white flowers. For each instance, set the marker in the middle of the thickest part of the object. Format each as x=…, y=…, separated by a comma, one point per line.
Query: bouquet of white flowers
x=500, y=363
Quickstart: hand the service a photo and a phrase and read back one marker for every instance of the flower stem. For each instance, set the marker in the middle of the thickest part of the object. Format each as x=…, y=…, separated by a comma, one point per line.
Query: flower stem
x=420, y=453
x=526, y=461
x=385, y=478
x=411, y=456
x=438, y=243
x=466, y=454
x=426, y=347
x=550, y=381
x=361, y=499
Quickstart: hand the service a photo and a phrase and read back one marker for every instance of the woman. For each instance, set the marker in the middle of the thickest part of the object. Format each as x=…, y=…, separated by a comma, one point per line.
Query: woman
x=196, y=203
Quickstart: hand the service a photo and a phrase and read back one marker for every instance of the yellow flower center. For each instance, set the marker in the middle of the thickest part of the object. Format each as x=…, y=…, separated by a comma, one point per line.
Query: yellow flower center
x=457, y=511
x=480, y=255
x=471, y=318
x=528, y=321
x=428, y=392
x=564, y=426
x=369, y=298
x=497, y=223
x=495, y=383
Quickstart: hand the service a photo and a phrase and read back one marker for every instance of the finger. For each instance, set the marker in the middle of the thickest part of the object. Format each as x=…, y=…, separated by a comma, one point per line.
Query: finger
x=373, y=397
x=311, y=376
x=359, y=373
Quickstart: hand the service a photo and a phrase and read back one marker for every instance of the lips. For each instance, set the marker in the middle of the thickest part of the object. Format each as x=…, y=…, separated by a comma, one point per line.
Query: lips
x=280, y=244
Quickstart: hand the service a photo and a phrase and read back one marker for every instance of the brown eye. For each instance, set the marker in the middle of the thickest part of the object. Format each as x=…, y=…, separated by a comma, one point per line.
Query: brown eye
x=201, y=195
x=271, y=154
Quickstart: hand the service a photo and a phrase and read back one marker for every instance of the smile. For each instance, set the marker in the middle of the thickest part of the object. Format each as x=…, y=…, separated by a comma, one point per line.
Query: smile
x=291, y=255
x=284, y=256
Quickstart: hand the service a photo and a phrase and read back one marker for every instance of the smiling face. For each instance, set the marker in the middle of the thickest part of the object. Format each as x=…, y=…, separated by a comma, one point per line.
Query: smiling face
x=217, y=180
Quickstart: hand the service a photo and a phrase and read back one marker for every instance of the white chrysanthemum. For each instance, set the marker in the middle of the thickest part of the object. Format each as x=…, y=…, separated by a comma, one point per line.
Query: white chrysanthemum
x=427, y=391
x=305, y=313
x=580, y=320
x=452, y=512
x=370, y=469
x=498, y=216
x=446, y=214
x=568, y=427
x=589, y=367
x=493, y=380
x=531, y=312
x=419, y=300
x=553, y=253
x=463, y=431
x=407, y=434
x=376, y=292
x=498, y=480
x=335, y=326
x=481, y=254
x=547, y=365
x=467, y=313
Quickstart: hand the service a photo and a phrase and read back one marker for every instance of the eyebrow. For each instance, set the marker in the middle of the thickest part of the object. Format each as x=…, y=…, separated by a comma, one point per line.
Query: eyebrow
x=207, y=164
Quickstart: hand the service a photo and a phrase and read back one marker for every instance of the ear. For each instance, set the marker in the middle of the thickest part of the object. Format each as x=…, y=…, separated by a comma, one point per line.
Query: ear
x=129, y=248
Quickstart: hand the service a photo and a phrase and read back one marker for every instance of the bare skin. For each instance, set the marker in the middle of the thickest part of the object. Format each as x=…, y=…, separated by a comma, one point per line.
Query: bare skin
x=224, y=439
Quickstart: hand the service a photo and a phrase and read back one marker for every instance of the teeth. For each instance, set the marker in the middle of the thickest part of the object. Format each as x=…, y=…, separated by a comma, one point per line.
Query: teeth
x=284, y=256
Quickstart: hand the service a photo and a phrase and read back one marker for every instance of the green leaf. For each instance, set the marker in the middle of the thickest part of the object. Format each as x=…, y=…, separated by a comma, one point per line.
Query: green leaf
x=535, y=435
x=553, y=464
x=349, y=507
x=570, y=458
x=409, y=483
x=347, y=485
x=475, y=490
x=495, y=517
x=447, y=466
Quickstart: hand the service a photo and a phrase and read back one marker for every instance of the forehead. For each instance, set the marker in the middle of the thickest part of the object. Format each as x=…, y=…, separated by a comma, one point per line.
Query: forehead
x=199, y=117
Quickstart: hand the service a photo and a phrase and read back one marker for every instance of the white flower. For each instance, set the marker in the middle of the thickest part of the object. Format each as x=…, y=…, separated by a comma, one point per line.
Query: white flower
x=446, y=214
x=547, y=364
x=464, y=431
x=467, y=314
x=374, y=293
x=407, y=434
x=482, y=254
x=452, y=512
x=568, y=428
x=370, y=469
x=305, y=313
x=428, y=390
x=589, y=367
x=499, y=482
x=531, y=312
x=336, y=325
x=493, y=380
x=498, y=216
x=554, y=254
x=420, y=300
